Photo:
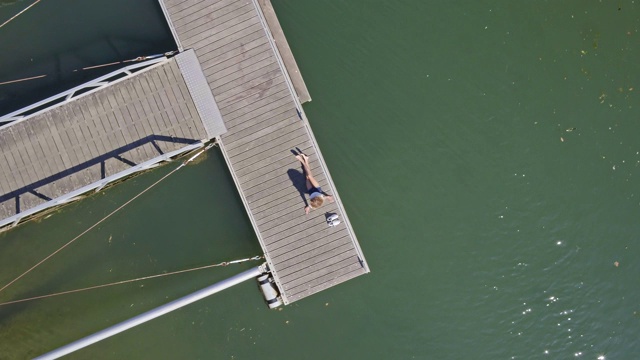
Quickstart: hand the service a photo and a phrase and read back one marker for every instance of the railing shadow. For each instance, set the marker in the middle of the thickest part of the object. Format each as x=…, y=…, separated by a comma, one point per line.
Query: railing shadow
x=114, y=154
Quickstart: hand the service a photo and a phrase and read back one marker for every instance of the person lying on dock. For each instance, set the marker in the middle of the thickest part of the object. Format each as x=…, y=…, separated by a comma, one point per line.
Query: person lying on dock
x=316, y=195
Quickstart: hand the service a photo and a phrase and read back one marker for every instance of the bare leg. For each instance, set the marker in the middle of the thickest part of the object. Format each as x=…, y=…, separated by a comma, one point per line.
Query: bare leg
x=311, y=181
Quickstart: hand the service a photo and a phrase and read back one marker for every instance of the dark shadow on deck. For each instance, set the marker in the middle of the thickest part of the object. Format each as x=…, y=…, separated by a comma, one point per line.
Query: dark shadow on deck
x=299, y=181
x=114, y=154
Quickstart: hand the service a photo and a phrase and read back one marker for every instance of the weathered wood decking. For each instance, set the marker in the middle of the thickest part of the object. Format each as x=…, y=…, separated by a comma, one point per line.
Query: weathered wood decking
x=265, y=122
x=97, y=135
x=273, y=25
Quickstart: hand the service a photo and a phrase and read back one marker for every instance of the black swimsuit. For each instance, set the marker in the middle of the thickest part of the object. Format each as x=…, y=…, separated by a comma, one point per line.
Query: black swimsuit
x=314, y=192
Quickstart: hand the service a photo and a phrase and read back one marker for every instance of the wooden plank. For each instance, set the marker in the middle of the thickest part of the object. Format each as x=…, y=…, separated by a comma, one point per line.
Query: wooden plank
x=91, y=103
x=257, y=168
x=54, y=141
x=8, y=167
x=255, y=108
x=299, y=226
x=276, y=131
x=213, y=53
x=285, y=250
x=276, y=126
x=16, y=169
x=157, y=108
x=205, y=38
x=168, y=94
x=234, y=52
x=174, y=93
x=72, y=151
x=22, y=172
x=315, y=259
x=116, y=120
x=201, y=9
x=292, y=202
x=54, y=152
x=6, y=141
x=255, y=171
x=63, y=155
x=265, y=109
x=254, y=179
x=264, y=124
x=291, y=171
x=253, y=102
x=338, y=278
x=322, y=273
x=183, y=11
x=238, y=61
x=105, y=107
x=168, y=114
x=284, y=50
x=231, y=77
x=315, y=226
x=276, y=194
x=234, y=13
x=248, y=86
x=144, y=109
x=103, y=115
x=91, y=133
x=269, y=122
x=31, y=157
x=141, y=124
x=280, y=142
x=179, y=5
x=285, y=178
x=217, y=44
x=294, y=224
x=15, y=182
x=286, y=255
x=276, y=191
x=4, y=181
x=136, y=103
x=285, y=208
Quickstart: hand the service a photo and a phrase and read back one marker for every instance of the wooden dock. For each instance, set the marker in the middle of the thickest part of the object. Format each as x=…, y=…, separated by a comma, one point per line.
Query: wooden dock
x=265, y=121
x=235, y=79
x=84, y=142
x=280, y=41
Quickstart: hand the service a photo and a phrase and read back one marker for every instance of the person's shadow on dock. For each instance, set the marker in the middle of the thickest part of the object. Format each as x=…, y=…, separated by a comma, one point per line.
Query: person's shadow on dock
x=298, y=179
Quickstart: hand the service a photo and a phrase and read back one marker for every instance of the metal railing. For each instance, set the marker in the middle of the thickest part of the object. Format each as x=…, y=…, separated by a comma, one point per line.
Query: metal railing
x=66, y=96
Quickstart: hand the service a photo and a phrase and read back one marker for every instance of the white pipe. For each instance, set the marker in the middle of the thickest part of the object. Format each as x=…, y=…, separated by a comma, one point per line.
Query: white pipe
x=152, y=314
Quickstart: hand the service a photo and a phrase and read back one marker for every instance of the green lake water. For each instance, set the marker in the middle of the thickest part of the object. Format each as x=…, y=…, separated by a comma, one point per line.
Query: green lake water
x=487, y=155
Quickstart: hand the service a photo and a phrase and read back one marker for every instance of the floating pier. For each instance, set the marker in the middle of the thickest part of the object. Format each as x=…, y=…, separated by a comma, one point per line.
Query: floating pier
x=84, y=138
x=235, y=80
x=262, y=112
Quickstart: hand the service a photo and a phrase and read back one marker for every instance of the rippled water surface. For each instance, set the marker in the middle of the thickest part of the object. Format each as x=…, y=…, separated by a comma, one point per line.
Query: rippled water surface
x=486, y=152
